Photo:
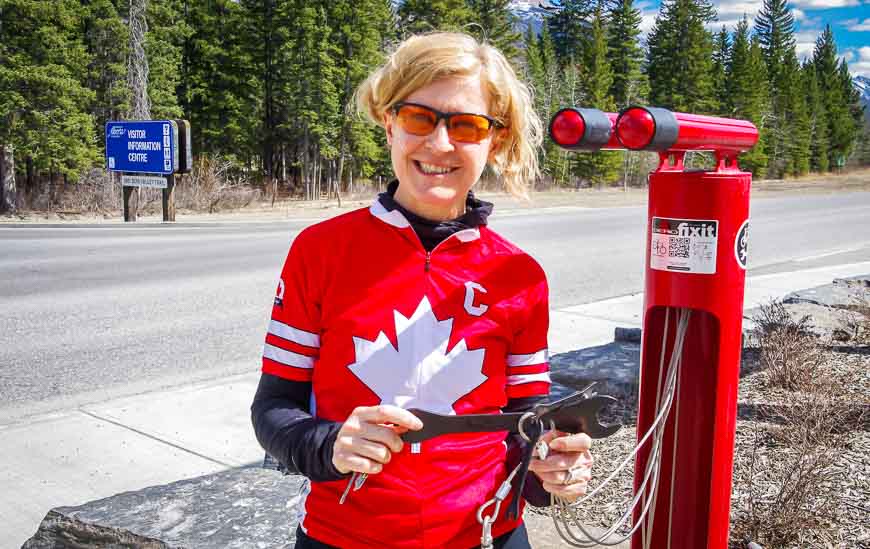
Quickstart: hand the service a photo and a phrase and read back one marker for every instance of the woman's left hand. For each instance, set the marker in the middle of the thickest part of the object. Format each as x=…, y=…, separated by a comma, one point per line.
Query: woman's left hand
x=567, y=469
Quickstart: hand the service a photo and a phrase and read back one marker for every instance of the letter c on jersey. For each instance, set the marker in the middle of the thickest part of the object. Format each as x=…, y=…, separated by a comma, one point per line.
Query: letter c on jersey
x=470, y=307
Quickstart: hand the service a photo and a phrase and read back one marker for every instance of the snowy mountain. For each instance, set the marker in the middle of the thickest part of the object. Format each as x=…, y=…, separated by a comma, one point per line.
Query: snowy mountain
x=862, y=84
x=529, y=12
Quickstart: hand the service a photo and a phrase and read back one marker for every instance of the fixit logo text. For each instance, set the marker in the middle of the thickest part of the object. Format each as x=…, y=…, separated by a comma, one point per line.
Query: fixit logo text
x=696, y=229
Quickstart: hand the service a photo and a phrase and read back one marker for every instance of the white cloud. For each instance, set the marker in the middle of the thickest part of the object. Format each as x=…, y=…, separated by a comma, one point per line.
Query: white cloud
x=805, y=42
x=736, y=8
x=858, y=60
x=856, y=26
x=824, y=4
x=799, y=15
x=731, y=12
x=648, y=13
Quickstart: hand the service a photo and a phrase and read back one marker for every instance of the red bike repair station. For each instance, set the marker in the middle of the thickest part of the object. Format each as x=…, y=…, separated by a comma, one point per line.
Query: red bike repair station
x=695, y=269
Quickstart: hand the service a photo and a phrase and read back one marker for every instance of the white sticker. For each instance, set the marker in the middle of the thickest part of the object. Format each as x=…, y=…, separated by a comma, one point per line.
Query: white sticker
x=684, y=245
x=154, y=181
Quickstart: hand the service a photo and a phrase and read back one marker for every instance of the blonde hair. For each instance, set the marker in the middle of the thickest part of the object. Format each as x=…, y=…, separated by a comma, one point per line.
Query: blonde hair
x=422, y=59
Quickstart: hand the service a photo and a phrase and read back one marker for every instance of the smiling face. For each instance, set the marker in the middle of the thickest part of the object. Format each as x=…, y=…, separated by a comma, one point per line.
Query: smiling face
x=435, y=172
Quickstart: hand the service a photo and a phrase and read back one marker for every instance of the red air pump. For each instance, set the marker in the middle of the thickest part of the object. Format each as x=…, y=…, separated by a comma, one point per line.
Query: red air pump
x=693, y=307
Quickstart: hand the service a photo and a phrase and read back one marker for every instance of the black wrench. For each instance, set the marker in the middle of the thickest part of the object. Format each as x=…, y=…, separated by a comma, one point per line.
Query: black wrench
x=576, y=413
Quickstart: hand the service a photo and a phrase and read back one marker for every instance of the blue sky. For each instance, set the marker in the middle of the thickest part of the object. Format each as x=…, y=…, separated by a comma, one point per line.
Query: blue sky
x=849, y=19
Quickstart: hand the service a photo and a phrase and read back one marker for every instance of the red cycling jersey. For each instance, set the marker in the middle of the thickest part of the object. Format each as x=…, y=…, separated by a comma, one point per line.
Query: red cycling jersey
x=369, y=317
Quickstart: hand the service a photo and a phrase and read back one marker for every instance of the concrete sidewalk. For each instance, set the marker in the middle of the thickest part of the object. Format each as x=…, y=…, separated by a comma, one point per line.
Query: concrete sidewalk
x=95, y=451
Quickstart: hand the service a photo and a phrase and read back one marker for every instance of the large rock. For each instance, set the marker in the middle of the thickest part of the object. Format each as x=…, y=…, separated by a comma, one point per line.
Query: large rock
x=614, y=368
x=234, y=509
x=241, y=508
x=843, y=293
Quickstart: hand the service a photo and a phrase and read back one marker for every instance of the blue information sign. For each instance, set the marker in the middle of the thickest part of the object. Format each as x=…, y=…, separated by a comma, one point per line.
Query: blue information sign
x=142, y=146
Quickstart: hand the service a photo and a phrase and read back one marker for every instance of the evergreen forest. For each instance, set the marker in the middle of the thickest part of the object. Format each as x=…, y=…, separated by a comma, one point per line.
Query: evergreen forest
x=267, y=84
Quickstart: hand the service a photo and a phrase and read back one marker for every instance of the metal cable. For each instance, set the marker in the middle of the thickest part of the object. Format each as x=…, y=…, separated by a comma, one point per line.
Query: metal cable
x=563, y=513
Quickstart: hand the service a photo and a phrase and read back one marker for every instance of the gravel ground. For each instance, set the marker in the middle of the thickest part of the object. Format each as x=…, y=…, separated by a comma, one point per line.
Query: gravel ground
x=816, y=490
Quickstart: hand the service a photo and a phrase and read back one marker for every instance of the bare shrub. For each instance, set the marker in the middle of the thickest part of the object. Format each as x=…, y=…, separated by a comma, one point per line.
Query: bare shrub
x=96, y=192
x=857, y=325
x=214, y=185
x=773, y=316
x=792, y=496
x=789, y=353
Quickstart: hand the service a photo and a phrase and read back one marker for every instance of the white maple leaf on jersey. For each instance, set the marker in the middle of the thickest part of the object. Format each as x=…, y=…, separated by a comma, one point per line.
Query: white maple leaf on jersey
x=420, y=373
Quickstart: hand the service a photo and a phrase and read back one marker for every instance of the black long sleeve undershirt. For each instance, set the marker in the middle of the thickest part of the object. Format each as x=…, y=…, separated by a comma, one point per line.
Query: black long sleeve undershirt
x=288, y=432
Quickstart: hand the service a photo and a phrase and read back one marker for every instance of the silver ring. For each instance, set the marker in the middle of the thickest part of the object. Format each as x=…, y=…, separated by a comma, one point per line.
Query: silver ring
x=570, y=478
x=522, y=431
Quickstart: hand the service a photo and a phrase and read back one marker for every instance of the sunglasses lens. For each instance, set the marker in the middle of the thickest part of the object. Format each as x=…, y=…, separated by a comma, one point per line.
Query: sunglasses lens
x=416, y=120
x=468, y=128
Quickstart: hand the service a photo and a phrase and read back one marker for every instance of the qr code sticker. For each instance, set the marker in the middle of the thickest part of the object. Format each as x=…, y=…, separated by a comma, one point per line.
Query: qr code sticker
x=678, y=247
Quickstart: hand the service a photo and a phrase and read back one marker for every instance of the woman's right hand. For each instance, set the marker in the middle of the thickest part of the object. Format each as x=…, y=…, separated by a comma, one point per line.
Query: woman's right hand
x=369, y=436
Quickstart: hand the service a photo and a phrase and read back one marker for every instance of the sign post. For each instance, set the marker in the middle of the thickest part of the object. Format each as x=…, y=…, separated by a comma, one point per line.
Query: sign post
x=147, y=153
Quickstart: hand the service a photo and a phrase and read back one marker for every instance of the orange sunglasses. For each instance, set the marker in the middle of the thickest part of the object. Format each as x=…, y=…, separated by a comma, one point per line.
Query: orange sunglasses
x=464, y=127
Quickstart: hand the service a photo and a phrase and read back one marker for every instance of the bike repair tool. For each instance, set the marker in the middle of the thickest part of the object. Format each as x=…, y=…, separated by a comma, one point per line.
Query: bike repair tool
x=576, y=413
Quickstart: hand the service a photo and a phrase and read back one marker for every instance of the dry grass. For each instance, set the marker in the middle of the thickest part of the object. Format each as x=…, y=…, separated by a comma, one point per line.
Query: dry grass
x=858, y=326
x=790, y=489
x=212, y=186
x=801, y=456
x=790, y=353
x=96, y=193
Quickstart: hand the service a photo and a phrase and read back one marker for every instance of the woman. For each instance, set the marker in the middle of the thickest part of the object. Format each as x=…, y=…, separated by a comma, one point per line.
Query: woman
x=416, y=303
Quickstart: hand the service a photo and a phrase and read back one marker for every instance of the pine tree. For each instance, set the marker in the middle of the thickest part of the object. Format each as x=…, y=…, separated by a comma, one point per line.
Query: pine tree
x=43, y=100
x=268, y=24
x=496, y=24
x=841, y=127
x=626, y=55
x=747, y=79
x=596, y=78
x=546, y=80
x=357, y=27
x=774, y=27
x=167, y=31
x=417, y=16
x=106, y=39
x=818, y=119
x=568, y=27
x=309, y=92
x=534, y=62
x=797, y=143
x=721, y=55
x=680, y=55
x=853, y=104
x=219, y=90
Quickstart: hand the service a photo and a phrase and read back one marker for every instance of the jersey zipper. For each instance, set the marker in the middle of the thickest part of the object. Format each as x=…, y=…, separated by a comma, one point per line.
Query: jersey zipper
x=428, y=261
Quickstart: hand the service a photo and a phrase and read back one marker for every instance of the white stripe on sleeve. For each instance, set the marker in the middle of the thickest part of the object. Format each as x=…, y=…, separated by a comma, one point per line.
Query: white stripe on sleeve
x=528, y=378
x=287, y=358
x=300, y=337
x=529, y=360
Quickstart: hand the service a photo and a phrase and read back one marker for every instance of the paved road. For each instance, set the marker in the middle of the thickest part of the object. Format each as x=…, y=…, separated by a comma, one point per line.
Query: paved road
x=88, y=313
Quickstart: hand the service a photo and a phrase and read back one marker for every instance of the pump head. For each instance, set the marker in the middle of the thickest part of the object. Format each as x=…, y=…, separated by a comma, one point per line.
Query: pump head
x=650, y=129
